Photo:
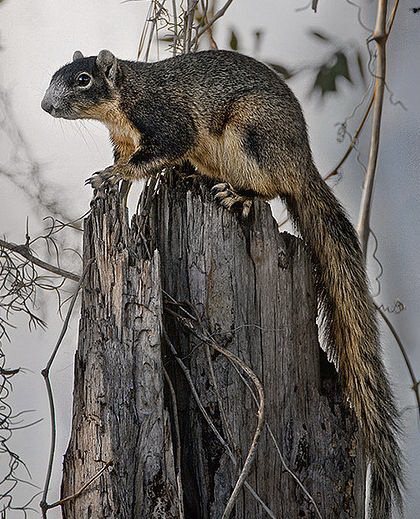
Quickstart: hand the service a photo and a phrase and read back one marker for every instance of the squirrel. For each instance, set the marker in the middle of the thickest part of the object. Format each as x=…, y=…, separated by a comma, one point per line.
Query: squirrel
x=238, y=123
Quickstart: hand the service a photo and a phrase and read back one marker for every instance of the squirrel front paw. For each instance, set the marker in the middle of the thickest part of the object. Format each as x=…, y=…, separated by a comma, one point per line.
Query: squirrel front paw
x=107, y=177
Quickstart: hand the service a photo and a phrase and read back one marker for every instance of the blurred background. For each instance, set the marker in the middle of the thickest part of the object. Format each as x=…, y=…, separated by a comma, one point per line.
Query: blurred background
x=44, y=161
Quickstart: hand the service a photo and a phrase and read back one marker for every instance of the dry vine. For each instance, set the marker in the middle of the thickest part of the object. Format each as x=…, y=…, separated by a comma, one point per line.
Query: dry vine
x=45, y=373
x=193, y=324
x=215, y=430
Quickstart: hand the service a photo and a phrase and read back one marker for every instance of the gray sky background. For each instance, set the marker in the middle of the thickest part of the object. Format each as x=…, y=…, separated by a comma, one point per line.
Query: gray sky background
x=38, y=37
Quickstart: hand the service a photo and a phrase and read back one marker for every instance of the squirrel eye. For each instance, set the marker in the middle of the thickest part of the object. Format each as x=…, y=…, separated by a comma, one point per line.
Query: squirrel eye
x=83, y=79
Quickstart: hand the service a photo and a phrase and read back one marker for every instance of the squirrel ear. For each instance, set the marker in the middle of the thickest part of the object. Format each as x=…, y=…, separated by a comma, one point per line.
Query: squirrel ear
x=77, y=55
x=108, y=63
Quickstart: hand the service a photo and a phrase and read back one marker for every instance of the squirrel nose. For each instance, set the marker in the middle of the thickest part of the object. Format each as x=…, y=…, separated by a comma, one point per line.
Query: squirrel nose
x=46, y=104
x=51, y=101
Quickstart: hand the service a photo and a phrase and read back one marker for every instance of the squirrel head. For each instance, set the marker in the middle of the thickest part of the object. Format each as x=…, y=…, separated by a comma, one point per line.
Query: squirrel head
x=78, y=89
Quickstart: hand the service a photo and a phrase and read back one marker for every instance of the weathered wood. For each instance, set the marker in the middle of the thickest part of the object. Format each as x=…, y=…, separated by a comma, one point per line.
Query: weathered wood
x=251, y=290
x=119, y=415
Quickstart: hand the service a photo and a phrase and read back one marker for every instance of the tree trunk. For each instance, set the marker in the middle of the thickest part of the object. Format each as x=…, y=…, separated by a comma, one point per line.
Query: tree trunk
x=163, y=301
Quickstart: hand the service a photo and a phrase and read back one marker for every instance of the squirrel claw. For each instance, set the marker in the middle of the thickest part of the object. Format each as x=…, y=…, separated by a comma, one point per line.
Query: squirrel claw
x=223, y=186
x=228, y=198
x=107, y=177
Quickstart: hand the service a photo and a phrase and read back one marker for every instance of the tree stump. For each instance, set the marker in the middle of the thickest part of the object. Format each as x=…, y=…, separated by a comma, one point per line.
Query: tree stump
x=186, y=263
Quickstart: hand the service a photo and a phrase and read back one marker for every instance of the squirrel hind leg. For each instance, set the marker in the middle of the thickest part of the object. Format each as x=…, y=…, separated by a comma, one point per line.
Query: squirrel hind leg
x=231, y=199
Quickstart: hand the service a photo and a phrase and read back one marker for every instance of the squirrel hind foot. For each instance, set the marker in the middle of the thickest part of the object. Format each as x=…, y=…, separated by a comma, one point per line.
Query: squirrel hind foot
x=230, y=199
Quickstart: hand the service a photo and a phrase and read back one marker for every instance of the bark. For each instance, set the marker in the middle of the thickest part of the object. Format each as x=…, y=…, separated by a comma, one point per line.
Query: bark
x=248, y=289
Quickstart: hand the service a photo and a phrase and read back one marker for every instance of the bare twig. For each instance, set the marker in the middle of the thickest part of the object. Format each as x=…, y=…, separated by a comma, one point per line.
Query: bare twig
x=380, y=37
x=223, y=416
x=202, y=16
x=188, y=322
x=24, y=251
x=188, y=25
x=20, y=280
x=176, y=35
x=277, y=447
x=157, y=18
x=392, y=16
x=82, y=489
x=246, y=469
x=353, y=141
x=209, y=24
x=415, y=382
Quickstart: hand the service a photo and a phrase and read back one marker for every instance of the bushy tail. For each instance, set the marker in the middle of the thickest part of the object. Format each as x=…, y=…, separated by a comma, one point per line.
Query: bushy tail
x=351, y=332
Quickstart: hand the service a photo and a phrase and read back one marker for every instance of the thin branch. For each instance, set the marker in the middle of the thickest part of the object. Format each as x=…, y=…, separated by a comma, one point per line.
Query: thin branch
x=380, y=37
x=246, y=469
x=208, y=339
x=82, y=489
x=220, y=438
x=354, y=139
x=202, y=18
x=24, y=251
x=43, y=504
x=277, y=447
x=392, y=16
x=209, y=24
x=415, y=382
x=176, y=35
x=188, y=25
x=223, y=415
x=45, y=373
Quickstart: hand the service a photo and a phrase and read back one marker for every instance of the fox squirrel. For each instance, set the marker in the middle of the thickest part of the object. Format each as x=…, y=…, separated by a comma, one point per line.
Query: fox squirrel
x=238, y=123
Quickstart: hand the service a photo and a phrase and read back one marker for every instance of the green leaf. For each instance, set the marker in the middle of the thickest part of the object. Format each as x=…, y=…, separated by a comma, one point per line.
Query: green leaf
x=168, y=38
x=325, y=81
x=328, y=73
x=200, y=20
x=280, y=69
x=233, y=42
x=321, y=36
x=341, y=68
